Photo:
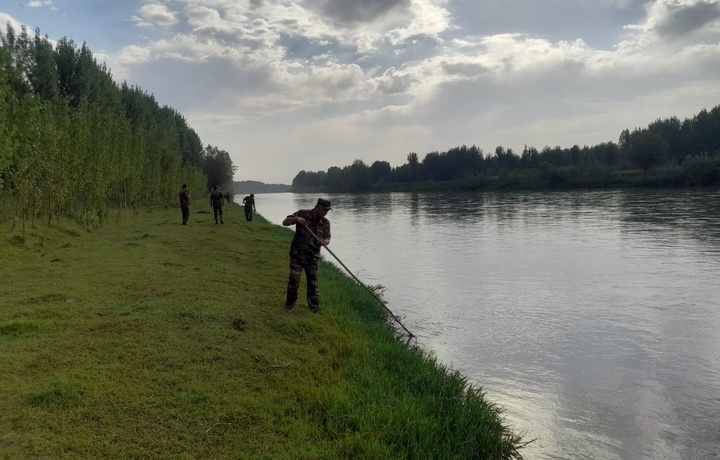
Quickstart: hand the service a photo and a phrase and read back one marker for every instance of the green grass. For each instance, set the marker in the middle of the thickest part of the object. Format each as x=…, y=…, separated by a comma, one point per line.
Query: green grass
x=148, y=339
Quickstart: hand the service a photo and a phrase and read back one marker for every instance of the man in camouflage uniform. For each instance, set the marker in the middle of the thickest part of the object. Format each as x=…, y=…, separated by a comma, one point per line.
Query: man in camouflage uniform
x=216, y=201
x=185, y=203
x=249, y=202
x=305, y=251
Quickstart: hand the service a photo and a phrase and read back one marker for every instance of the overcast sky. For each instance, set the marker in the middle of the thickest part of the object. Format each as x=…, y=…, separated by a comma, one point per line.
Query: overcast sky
x=290, y=85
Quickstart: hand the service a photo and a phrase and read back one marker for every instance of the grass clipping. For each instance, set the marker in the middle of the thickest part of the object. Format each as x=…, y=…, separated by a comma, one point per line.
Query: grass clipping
x=147, y=338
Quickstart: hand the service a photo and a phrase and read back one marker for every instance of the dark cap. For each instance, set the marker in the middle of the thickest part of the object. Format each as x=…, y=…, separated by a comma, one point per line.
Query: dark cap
x=324, y=204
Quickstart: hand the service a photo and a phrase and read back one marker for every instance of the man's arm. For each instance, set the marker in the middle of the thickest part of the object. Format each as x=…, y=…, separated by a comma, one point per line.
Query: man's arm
x=292, y=220
x=326, y=237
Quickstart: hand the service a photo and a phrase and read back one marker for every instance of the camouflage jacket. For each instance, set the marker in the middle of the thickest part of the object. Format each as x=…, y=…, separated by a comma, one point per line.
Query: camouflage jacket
x=216, y=198
x=184, y=198
x=249, y=202
x=304, y=246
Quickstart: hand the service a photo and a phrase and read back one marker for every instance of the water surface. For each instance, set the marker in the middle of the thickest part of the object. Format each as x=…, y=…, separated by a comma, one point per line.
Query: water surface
x=592, y=317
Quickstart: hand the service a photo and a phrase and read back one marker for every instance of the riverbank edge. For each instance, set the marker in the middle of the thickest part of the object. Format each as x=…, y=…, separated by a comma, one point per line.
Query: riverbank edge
x=334, y=385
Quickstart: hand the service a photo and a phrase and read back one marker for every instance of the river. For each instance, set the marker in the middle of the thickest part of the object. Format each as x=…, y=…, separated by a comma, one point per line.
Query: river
x=591, y=317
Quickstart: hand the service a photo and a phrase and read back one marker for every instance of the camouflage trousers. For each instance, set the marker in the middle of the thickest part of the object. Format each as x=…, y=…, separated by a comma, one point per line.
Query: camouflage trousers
x=311, y=273
x=185, y=214
x=217, y=211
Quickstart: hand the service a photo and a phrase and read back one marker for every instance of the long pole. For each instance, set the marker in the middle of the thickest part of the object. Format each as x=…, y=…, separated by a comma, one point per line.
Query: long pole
x=410, y=334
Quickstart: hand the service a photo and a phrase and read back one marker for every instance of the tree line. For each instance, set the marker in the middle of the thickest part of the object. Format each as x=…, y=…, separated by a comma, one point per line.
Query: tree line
x=669, y=152
x=253, y=186
x=74, y=143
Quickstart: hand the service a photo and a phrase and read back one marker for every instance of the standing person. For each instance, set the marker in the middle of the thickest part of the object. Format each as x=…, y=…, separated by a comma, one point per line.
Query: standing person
x=249, y=202
x=305, y=251
x=216, y=201
x=185, y=203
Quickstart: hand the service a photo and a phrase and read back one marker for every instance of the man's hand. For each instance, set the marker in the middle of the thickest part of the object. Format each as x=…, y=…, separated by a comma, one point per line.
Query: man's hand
x=300, y=220
x=325, y=242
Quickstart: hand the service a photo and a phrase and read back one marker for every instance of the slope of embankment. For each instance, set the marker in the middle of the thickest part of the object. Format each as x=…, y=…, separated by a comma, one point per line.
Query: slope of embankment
x=148, y=339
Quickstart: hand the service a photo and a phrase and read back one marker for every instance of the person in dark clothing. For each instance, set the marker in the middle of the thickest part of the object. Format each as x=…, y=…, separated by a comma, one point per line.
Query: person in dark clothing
x=305, y=251
x=216, y=201
x=249, y=202
x=185, y=203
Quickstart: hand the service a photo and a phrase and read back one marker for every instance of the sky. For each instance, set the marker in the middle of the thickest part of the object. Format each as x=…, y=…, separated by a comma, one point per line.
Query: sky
x=291, y=85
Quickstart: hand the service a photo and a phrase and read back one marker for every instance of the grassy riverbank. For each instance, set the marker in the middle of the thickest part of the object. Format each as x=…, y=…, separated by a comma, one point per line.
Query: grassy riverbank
x=146, y=338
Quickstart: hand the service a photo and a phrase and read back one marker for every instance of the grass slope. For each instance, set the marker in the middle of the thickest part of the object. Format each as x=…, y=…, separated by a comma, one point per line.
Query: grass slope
x=149, y=339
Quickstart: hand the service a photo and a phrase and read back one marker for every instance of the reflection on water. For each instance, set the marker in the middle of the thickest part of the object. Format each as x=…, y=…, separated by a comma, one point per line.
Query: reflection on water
x=591, y=317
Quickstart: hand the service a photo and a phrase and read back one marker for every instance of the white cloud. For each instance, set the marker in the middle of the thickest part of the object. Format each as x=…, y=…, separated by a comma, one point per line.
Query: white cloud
x=393, y=81
x=155, y=15
x=40, y=4
x=428, y=18
x=6, y=18
x=673, y=19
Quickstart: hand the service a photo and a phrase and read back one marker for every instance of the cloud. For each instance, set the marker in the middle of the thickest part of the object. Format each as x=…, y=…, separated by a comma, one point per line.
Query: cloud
x=155, y=15
x=362, y=26
x=304, y=57
x=671, y=19
x=304, y=64
x=354, y=12
x=428, y=18
x=685, y=19
x=5, y=19
x=40, y=4
x=132, y=55
x=395, y=82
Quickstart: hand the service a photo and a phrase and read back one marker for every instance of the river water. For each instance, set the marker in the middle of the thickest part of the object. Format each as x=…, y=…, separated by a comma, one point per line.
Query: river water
x=591, y=317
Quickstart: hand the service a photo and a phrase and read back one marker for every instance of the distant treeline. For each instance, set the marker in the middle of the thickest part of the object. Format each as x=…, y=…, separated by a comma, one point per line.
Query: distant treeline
x=74, y=143
x=669, y=152
x=252, y=186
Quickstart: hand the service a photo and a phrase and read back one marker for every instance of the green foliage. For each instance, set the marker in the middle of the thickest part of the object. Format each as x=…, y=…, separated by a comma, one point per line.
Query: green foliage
x=253, y=186
x=75, y=144
x=6, y=147
x=357, y=176
x=334, y=180
x=218, y=167
x=310, y=181
x=412, y=159
x=380, y=171
x=43, y=76
x=701, y=170
x=648, y=149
